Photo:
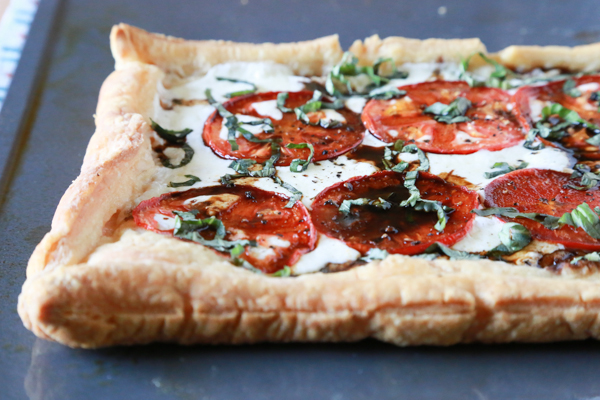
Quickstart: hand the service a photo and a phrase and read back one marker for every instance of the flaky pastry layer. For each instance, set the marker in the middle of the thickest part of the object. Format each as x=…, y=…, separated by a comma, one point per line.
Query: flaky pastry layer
x=91, y=283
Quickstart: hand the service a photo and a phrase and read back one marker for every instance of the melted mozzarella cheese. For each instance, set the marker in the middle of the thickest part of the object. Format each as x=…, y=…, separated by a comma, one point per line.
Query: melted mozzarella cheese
x=483, y=236
x=268, y=109
x=332, y=115
x=355, y=104
x=164, y=222
x=535, y=107
x=266, y=246
x=589, y=87
x=372, y=141
x=463, y=137
x=328, y=250
x=267, y=76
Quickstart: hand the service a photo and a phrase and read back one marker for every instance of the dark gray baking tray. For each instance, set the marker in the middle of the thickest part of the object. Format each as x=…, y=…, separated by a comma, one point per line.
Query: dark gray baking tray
x=46, y=123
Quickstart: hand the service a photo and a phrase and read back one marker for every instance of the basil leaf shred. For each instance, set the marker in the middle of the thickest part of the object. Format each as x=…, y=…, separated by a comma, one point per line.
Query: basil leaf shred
x=190, y=182
x=504, y=168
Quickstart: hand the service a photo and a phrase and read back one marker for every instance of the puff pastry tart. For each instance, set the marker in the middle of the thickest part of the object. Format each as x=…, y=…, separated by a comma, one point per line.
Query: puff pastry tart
x=417, y=192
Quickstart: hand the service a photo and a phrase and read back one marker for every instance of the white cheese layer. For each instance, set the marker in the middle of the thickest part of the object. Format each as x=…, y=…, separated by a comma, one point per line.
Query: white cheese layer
x=328, y=250
x=268, y=109
x=267, y=76
x=482, y=237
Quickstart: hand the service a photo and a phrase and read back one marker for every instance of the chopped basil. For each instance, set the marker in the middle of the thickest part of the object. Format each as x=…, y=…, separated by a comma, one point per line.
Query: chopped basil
x=188, y=155
x=423, y=160
x=441, y=210
x=450, y=113
x=504, y=168
x=378, y=203
x=187, y=226
x=268, y=170
x=172, y=137
x=589, y=179
x=438, y=247
x=233, y=125
x=298, y=164
x=281, y=99
x=410, y=180
x=569, y=88
x=595, y=256
x=553, y=133
x=386, y=93
x=296, y=194
x=464, y=73
x=248, y=135
x=282, y=273
x=191, y=181
x=375, y=254
x=415, y=201
x=565, y=114
x=242, y=165
x=235, y=252
x=583, y=217
x=497, y=79
x=241, y=92
x=348, y=67
x=514, y=237
x=559, y=130
x=398, y=147
x=315, y=104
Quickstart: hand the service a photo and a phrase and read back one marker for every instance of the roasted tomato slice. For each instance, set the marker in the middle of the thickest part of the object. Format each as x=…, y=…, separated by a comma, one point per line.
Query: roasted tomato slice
x=492, y=126
x=328, y=142
x=401, y=230
x=283, y=234
x=544, y=191
x=530, y=100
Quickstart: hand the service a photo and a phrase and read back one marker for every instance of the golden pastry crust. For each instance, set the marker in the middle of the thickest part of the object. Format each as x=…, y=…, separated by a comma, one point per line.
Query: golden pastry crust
x=578, y=58
x=403, y=50
x=189, y=57
x=95, y=280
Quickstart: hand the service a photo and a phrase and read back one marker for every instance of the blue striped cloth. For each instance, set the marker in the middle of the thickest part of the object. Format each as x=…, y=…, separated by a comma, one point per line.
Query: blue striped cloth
x=14, y=28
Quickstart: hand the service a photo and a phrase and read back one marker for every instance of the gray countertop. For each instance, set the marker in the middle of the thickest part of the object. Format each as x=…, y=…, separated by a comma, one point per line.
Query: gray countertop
x=48, y=116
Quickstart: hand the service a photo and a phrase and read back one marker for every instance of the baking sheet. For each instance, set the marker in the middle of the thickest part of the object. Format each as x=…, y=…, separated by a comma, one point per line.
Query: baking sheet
x=46, y=123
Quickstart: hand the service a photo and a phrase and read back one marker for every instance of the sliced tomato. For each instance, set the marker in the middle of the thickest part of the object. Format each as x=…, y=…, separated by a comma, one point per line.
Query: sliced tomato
x=585, y=105
x=328, y=142
x=492, y=126
x=544, y=191
x=283, y=234
x=401, y=230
